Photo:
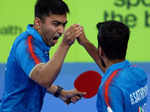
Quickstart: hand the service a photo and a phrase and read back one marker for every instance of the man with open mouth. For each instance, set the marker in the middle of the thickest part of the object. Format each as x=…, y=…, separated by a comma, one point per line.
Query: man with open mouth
x=30, y=73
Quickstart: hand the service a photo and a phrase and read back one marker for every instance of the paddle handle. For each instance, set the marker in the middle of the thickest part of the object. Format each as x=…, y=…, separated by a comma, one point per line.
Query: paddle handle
x=68, y=101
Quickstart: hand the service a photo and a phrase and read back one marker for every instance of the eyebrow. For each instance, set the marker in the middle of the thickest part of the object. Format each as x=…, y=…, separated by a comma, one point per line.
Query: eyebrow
x=61, y=22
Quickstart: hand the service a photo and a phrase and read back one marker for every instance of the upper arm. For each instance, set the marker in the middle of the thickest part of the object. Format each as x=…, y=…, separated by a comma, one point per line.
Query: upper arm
x=28, y=57
x=116, y=99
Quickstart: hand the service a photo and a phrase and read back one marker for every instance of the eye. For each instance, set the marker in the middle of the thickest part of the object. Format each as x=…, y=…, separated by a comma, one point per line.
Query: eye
x=56, y=23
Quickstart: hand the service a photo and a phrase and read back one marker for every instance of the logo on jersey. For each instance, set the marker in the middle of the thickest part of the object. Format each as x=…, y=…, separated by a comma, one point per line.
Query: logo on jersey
x=140, y=109
x=139, y=95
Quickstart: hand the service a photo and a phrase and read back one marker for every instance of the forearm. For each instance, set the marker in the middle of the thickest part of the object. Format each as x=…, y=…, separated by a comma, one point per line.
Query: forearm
x=52, y=68
x=47, y=73
x=93, y=52
x=52, y=90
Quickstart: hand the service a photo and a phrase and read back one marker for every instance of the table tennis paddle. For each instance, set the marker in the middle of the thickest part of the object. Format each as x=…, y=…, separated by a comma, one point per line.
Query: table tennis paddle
x=88, y=82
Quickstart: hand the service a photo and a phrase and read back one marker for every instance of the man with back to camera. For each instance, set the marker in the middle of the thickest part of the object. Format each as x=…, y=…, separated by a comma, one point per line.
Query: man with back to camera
x=29, y=72
x=124, y=86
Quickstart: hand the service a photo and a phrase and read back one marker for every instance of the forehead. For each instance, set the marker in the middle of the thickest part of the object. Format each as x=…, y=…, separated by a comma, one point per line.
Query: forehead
x=60, y=18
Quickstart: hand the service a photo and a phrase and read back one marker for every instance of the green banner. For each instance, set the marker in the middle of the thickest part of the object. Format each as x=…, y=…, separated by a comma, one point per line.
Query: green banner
x=16, y=14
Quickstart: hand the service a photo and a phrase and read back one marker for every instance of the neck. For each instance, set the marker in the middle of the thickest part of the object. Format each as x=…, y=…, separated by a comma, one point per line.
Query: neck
x=108, y=62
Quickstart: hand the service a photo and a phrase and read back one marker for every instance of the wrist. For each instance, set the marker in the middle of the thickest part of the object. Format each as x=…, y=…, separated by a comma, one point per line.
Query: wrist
x=85, y=43
x=64, y=45
x=63, y=93
x=58, y=91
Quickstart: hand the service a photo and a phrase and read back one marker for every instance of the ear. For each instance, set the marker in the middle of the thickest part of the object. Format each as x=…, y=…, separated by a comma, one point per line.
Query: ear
x=101, y=57
x=37, y=22
x=100, y=51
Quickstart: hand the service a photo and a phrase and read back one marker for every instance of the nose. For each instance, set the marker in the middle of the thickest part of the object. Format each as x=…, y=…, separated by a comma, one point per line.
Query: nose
x=60, y=29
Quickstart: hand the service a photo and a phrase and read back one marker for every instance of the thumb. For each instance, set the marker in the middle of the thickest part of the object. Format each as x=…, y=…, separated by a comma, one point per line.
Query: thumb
x=80, y=93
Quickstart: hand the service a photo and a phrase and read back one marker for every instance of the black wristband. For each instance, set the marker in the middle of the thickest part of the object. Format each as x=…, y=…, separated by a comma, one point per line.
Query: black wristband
x=58, y=91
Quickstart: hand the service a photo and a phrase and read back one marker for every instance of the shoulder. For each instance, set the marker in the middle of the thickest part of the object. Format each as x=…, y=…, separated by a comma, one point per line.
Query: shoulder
x=21, y=39
x=131, y=74
x=134, y=73
x=130, y=78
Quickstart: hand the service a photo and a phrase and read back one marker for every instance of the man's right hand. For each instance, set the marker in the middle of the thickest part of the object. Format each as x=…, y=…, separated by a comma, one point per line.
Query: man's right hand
x=71, y=34
x=71, y=96
x=82, y=40
x=90, y=48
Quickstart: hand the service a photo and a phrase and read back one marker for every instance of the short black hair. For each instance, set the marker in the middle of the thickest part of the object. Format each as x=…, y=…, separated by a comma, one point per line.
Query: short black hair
x=113, y=38
x=44, y=8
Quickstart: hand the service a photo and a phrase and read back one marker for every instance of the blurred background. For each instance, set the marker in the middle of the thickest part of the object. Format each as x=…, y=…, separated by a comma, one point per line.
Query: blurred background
x=15, y=15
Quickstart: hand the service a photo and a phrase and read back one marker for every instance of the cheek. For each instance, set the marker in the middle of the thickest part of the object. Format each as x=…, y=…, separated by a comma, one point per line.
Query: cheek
x=46, y=31
x=50, y=30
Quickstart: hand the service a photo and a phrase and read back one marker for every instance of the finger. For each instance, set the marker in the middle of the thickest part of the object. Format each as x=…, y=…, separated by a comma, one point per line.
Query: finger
x=79, y=92
x=76, y=28
x=68, y=37
x=73, y=27
x=77, y=34
x=74, y=31
x=70, y=33
x=75, y=99
x=74, y=96
x=71, y=37
x=82, y=93
x=70, y=100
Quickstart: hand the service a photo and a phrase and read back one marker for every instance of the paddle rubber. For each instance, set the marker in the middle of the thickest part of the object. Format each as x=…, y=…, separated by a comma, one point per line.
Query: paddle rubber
x=88, y=82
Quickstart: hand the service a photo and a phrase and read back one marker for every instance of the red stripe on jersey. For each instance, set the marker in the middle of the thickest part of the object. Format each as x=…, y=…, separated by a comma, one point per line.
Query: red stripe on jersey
x=107, y=86
x=31, y=51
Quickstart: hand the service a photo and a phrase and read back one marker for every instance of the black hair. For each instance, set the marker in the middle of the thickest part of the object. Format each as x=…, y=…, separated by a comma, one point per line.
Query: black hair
x=113, y=38
x=44, y=8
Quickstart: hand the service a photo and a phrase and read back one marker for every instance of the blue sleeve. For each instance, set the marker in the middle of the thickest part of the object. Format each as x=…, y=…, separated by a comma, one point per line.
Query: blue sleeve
x=25, y=59
x=116, y=99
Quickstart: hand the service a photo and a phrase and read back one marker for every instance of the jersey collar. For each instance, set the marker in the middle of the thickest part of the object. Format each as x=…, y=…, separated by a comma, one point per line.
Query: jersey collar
x=37, y=36
x=119, y=65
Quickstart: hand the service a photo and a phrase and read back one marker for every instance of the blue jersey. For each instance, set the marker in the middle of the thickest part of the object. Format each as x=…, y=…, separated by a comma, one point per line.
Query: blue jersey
x=127, y=91
x=22, y=94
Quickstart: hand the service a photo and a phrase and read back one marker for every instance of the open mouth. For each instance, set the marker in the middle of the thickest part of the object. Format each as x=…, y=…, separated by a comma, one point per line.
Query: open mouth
x=55, y=38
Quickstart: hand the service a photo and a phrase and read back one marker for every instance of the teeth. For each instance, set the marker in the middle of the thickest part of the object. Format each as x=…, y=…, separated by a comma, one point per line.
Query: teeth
x=55, y=38
x=57, y=35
